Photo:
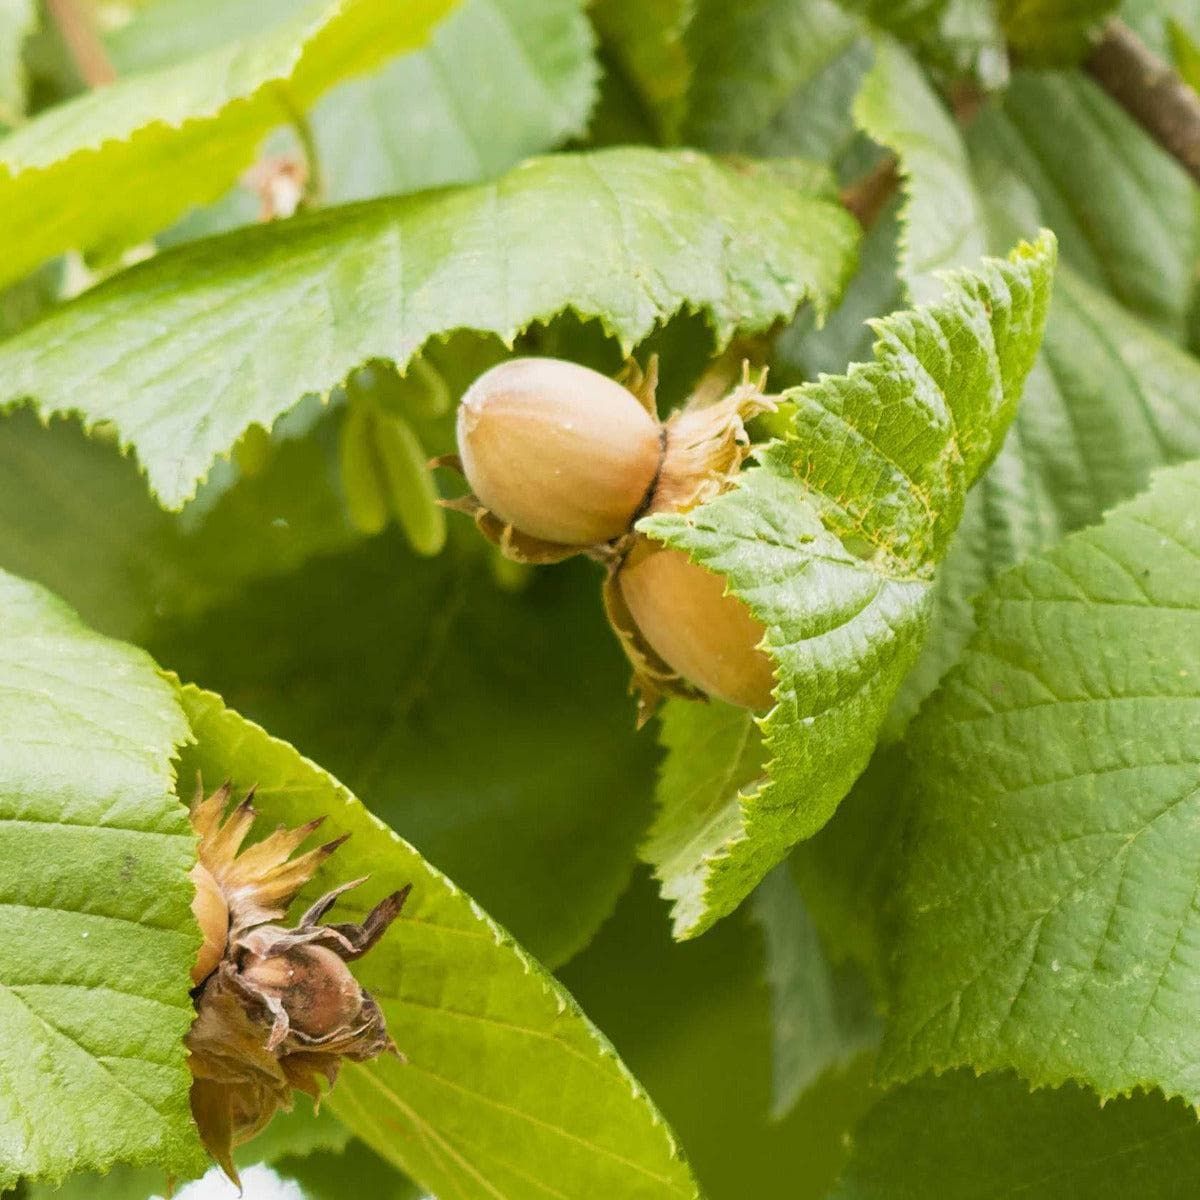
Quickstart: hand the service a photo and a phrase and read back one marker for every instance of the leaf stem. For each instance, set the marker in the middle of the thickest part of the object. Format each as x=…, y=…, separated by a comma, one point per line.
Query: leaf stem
x=82, y=41
x=1150, y=91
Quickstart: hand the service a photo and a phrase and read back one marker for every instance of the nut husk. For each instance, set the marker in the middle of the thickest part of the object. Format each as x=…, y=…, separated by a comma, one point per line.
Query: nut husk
x=280, y=1009
x=211, y=911
x=705, y=445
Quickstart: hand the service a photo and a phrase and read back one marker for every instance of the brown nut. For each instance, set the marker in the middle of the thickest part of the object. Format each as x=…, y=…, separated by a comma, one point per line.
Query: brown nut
x=315, y=987
x=558, y=451
x=686, y=616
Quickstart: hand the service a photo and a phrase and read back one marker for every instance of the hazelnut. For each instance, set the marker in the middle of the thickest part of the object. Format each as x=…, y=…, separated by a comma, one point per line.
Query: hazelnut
x=315, y=987
x=558, y=451
x=699, y=629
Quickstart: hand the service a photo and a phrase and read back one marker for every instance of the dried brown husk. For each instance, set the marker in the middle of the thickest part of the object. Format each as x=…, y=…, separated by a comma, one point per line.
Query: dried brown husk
x=280, y=1011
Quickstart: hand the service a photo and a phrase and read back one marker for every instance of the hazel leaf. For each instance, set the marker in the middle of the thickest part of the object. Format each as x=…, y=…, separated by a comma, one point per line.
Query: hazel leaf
x=991, y=1136
x=1053, y=32
x=694, y=1020
x=506, y=1081
x=96, y=931
x=976, y=191
x=497, y=81
x=832, y=542
x=762, y=64
x=647, y=38
x=1107, y=403
x=912, y=20
x=1109, y=399
x=186, y=351
x=500, y=80
x=18, y=18
x=183, y=132
x=1049, y=917
x=822, y=1013
x=941, y=217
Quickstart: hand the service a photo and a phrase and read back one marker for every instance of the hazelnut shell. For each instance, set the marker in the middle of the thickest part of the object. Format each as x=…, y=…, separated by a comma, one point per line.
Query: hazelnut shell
x=703, y=632
x=558, y=451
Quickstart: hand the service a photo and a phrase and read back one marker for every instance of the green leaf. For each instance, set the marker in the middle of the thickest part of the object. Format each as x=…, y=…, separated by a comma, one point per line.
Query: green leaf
x=96, y=931
x=910, y=20
x=693, y=1019
x=183, y=132
x=498, y=81
x=802, y=351
x=76, y=517
x=816, y=120
x=846, y=873
x=1083, y=174
x=1107, y=403
x=507, y=1085
x=166, y=32
x=832, y=543
x=647, y=38
x=764, y=77
x=1079, y=174
x=332, y=1175
x=265, y=315
x=956, y=39
x=1049, y=915
x=942, y=215
x=823, y=1017
x=1151, y=20
x=993, y=1137
x=1108, y=399
x=534, y=807
x=754, y=60
x=18, y=18
x=1050, y=32
x=1186, y=52
x=21, y=303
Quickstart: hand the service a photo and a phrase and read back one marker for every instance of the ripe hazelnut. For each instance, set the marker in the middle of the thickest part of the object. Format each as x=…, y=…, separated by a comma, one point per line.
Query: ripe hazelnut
x=693, y=624
x=560, y=452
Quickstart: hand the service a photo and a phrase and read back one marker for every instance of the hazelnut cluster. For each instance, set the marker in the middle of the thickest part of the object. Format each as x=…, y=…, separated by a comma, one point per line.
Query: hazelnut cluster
x=562, y=460
x=277, y=1009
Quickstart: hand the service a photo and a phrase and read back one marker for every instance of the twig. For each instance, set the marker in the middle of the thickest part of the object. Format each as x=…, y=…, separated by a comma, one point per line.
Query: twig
x=82, y=42
x=867, y=197
x=1150, y=91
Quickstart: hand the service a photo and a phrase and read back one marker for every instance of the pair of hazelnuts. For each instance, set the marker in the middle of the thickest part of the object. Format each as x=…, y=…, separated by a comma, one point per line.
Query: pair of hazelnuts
x=563, y=460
